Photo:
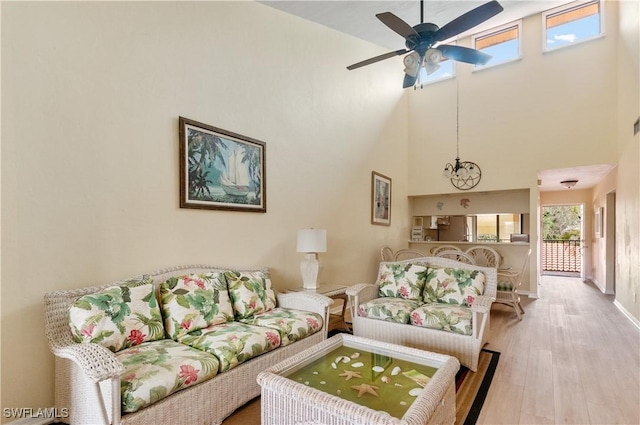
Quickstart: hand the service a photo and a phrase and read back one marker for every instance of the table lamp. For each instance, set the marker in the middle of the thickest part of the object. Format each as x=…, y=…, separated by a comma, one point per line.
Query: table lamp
x=311, y=241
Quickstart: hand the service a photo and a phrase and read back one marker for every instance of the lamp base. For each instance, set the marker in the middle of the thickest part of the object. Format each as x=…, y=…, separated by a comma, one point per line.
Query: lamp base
x=309, y=268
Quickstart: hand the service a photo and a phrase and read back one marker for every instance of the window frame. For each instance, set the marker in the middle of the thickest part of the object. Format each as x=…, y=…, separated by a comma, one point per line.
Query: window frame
x=567, y=8
x=497, y=218
x=494, y=31
x=437, y=80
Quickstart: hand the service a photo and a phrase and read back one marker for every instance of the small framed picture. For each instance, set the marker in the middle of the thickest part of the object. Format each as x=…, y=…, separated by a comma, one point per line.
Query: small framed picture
x=599, y=229
x=221, y=170
x=380, y=199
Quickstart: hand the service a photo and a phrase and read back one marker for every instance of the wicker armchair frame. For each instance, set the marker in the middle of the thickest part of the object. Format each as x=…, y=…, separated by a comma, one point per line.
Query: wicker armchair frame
x=466, y=348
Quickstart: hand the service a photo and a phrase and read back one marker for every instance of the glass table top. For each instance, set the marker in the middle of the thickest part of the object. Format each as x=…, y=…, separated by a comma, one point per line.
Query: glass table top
x=370, y=376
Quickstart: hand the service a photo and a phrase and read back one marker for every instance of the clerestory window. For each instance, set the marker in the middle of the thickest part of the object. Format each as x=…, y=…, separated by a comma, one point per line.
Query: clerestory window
x=502, y=43
x=569, y=25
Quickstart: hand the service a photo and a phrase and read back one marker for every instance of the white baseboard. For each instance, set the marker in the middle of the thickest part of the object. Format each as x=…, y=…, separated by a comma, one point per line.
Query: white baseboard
x=626, y=313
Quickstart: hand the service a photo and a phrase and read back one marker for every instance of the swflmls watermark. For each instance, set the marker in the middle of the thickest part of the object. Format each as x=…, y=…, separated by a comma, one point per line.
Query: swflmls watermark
x=40, y=413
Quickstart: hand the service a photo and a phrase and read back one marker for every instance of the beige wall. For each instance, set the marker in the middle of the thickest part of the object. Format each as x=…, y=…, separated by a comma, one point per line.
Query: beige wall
x=627, y=244
x=544, y=111
x=91, y=96
x=494, y=202
x=601, y=272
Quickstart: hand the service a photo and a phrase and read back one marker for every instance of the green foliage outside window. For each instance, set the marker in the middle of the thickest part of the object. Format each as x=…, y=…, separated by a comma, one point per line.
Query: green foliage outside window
x=561, y=222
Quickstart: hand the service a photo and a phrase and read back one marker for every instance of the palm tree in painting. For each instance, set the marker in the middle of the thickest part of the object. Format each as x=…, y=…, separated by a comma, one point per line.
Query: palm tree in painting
x=202, y=149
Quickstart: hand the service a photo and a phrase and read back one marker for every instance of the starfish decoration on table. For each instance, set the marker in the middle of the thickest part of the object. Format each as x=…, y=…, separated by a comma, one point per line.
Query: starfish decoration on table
x=350, y=374
x=366, y=388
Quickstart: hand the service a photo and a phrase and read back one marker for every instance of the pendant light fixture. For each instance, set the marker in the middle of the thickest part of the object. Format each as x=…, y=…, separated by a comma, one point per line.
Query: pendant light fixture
x=464, y=175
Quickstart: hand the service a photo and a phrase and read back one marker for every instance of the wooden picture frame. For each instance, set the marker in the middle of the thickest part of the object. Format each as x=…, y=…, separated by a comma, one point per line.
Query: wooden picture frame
x=221, y=170
x=380, y=199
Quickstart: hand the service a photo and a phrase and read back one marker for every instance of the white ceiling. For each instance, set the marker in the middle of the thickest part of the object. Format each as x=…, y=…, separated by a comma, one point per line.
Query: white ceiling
x=588, y=176
x=357, y=18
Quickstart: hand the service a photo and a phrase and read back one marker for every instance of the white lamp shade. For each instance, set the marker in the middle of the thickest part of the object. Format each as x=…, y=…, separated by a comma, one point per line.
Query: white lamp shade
x=312, y=240
x=411, y=64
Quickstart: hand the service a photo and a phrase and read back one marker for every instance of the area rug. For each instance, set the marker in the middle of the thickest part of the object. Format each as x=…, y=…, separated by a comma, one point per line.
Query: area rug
x=471, y=391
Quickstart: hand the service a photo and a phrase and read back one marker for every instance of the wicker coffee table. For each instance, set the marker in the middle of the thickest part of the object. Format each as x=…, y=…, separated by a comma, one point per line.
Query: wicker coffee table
x=352, y=380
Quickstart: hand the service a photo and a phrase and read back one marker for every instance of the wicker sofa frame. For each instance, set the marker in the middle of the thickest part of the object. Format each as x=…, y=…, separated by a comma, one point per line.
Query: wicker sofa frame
x=87, y=376
x=464, y=347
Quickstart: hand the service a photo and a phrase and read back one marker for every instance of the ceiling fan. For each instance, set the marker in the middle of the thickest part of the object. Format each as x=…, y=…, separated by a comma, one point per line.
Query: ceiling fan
x=421, y=41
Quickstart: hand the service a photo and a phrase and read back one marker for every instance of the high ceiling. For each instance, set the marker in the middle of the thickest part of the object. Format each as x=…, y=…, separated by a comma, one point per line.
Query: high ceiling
x=357, y=18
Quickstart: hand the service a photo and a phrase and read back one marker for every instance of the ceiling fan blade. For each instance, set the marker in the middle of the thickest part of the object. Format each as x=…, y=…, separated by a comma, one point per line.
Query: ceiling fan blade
x=377, y=59
x=469, y=20
x=397, y=25
x=409, y=81
x=464, y=54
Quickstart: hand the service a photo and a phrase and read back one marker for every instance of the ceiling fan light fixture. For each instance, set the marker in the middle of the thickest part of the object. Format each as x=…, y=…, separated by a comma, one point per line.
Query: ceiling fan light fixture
x=420, y=39
x=569, y=183
x=412, y=64
x=432, y=60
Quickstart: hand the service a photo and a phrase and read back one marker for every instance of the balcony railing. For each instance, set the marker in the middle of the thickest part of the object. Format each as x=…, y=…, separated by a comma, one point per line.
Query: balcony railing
x=562, y=255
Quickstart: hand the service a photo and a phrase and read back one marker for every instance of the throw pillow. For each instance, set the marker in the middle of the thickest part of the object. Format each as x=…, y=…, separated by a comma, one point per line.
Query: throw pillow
x=402, y=280
x=118, y=317
x=453, y=286
x=194, y=302
x=250, y=293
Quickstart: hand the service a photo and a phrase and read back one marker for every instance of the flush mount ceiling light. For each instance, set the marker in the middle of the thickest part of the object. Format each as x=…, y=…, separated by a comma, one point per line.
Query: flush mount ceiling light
x=568, y=183
x=464, y=175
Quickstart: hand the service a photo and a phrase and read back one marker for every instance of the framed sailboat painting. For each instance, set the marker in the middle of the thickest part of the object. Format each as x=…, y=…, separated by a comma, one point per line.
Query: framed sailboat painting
x=221, y=170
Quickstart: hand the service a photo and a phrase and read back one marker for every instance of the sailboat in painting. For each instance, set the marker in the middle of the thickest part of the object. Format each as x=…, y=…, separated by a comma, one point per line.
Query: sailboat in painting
x=235, y=178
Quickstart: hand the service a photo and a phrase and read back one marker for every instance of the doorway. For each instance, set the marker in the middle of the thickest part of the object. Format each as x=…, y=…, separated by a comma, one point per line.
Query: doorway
x=562, y=240
x=610, y=243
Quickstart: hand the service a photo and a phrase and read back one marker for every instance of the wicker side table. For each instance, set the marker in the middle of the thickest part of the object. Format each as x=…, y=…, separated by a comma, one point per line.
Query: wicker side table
x=336, y=292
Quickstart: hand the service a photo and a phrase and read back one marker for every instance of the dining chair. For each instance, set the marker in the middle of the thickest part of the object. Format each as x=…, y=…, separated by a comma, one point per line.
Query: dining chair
x=485, y=256
x=508, y=283
x=458, y=255
x=386, y=253
x=438, y=248
x=406, y=254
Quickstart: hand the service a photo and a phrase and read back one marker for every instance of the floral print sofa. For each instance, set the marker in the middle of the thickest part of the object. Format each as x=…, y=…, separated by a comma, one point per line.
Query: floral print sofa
x=180, y=346
x=433, y=303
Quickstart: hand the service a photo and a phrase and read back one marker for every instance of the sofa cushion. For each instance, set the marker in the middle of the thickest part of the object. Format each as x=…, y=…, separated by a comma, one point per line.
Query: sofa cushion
x=250, y=293
x=233, y=343
x=154, y=370
x=389, y=309
x=446, y=317
x=193, y=302
x=453, y=286
x=402, y=280
x=292, y=325
x=119, y=316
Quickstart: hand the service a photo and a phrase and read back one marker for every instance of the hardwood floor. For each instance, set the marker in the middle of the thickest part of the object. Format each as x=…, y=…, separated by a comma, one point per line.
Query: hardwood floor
x=573, y=359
